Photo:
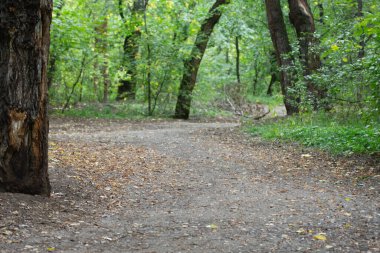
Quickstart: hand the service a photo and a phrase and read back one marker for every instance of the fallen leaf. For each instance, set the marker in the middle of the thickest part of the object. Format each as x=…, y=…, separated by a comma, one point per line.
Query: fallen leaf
x=347, y=225
x=301, y=231
x=51, y=249
x=321, y=237
x=212, y=226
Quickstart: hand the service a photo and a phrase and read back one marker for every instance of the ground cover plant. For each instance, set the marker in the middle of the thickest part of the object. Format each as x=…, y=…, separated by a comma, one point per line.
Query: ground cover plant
x=327, y=131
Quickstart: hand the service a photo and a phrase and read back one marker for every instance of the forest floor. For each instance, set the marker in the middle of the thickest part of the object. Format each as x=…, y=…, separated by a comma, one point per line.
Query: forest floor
x=176, y=186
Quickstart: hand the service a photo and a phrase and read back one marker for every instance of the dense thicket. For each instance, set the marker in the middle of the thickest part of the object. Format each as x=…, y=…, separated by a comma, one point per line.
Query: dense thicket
x=136, y=52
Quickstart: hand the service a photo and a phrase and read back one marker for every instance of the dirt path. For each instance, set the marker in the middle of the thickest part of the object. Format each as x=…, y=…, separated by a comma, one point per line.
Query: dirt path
x=191, y=187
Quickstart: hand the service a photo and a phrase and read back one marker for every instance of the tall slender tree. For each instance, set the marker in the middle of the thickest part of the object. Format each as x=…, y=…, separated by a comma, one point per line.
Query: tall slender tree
x=237, y=47
x=24, y=48
x=191, y=65
x=282, y=48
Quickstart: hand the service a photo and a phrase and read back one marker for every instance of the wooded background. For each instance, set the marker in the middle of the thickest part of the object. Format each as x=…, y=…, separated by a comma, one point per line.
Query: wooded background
x=138, y=52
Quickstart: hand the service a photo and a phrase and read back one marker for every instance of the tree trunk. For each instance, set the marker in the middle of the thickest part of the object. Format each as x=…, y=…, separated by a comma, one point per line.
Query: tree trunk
x=237, y=59
x=101, y=43
x=255, y=78
x=302, y=19
x=128, y=85
x=282, y=47
x=273, y=79
x=24, y=49
x=273, y=71
x=149, y=68
x=191, y=66
x=106, y=81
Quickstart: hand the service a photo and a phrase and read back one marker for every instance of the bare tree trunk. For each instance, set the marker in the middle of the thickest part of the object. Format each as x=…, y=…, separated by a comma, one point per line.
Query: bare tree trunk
x=24, y=50
x=106, y=81
x=282, y=48
x=273, y=79
x=149, y=74
x=237, y=59
x=101, y=43
x=256, y=77
x=191, y=66
x=128, y=85
x=273, y=71
x=302, y=19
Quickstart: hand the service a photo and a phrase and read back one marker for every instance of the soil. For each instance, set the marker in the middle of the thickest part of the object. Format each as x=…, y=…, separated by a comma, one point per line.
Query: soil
x=176, y=186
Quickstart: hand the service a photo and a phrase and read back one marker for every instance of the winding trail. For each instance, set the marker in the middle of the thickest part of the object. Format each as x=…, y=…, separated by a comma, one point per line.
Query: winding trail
x=198, y=187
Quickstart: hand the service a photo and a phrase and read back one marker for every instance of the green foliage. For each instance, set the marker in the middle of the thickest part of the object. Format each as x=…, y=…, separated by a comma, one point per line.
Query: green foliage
x=349, y=48
x=73, y=41
x=171, y=28
x=335, y=133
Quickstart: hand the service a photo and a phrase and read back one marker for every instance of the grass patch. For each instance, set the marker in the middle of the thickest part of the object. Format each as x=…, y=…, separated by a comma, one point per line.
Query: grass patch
x=271, y=101
x=104, y=111
x=328, y=132
x=134, y=111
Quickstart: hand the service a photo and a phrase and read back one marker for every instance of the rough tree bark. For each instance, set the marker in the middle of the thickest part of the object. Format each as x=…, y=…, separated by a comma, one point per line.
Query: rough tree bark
x=302, y=19
x=191, y=65
x=127, y=87
x=24, y=48
x=282, y=47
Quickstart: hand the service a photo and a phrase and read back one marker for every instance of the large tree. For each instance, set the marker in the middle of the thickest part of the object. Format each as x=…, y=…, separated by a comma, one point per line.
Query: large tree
x=282, y=48
x=302, y=19
x=191, y=65
x=24, y=47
